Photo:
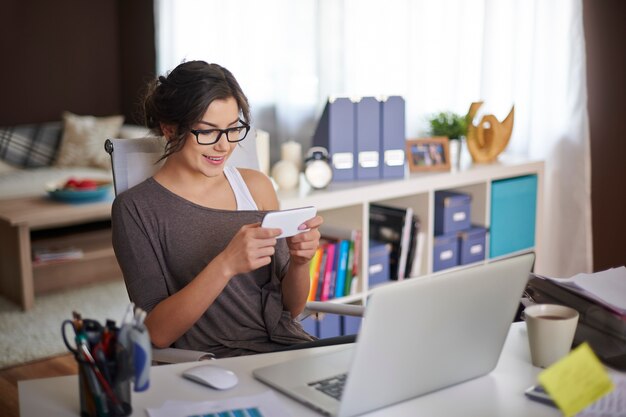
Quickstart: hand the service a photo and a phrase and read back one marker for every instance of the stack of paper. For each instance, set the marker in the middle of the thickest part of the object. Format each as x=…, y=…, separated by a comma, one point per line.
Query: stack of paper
x=607, y=288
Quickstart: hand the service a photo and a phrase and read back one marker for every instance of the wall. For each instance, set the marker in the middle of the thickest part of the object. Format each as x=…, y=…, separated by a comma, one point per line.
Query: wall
x=88, y=57
x=605, y=35
x=93, y=57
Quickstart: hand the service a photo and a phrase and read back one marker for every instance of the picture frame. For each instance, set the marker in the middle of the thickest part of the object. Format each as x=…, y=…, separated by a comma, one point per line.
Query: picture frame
x=428, y=154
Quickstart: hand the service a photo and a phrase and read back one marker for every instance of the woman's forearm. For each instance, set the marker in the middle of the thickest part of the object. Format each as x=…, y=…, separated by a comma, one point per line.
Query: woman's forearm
x=173, y=316
x=295, y=288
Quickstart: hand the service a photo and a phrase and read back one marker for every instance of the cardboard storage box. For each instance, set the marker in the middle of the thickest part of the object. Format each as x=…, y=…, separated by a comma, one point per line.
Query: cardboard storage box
x=452, y=212
x=445, y=252
x=472, y=245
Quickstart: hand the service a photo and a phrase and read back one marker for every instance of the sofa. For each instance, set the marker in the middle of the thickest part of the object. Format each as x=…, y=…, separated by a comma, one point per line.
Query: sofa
x=35, y=155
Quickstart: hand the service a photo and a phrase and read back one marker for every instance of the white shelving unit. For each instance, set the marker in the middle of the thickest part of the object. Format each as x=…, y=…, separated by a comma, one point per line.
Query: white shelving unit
x=346, y=204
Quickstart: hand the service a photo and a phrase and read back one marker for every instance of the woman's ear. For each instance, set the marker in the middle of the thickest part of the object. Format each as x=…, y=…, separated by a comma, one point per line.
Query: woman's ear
x=168, y=130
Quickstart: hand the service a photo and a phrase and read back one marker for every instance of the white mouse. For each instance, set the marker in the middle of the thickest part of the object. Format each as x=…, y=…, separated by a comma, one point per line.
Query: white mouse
x=212, y=376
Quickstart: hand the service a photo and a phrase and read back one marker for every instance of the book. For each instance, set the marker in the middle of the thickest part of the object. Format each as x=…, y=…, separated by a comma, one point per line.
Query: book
x=330, y=260
x=342, y=267
x=322, y=272
x=420, y=241
x=415, y=228
x=392, y=225
x=349, y=269
x=314, y=272
x=42, y=255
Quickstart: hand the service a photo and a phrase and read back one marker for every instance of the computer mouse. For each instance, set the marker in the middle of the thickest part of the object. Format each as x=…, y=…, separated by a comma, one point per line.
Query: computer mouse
x=212, y=376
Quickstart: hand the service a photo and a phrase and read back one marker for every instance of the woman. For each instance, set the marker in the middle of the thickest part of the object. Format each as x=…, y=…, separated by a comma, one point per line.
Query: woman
x=189, y=240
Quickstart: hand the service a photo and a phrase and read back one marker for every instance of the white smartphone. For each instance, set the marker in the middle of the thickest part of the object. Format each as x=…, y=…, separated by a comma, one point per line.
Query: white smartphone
x=288, y=220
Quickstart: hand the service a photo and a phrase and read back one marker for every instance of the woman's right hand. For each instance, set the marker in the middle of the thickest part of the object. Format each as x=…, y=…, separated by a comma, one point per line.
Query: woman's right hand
x=250, y=248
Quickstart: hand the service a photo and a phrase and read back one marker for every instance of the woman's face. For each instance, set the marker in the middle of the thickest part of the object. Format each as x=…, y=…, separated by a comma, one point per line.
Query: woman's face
x=209, y=160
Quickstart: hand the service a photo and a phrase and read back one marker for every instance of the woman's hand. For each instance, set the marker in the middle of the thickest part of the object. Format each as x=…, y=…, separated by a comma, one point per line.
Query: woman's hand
x=250, y=248
x=302, y=246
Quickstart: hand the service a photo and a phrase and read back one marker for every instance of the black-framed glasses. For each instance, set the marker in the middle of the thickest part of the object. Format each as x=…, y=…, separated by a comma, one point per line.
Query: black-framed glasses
x=212, y=136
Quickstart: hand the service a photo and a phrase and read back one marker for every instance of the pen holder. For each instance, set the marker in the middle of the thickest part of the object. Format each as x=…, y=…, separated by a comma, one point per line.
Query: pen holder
x=95, y=401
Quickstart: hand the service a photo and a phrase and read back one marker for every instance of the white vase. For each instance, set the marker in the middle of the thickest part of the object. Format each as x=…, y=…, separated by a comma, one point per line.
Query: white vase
x=456, y=146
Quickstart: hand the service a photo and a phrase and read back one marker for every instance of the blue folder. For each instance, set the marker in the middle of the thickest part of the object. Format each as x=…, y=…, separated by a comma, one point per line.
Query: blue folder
x=335, y=132
x=367, y=157
x=392, y=137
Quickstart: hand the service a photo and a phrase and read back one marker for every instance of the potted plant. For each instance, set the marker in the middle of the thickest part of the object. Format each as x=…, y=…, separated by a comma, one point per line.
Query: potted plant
x=454, y=127
x=448, y=124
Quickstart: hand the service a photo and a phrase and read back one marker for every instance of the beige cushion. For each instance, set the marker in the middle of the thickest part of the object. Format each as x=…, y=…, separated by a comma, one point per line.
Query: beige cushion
x=83, y=139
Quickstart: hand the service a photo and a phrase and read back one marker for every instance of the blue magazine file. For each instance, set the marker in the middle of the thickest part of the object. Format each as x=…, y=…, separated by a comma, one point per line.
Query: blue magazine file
x=335, y=132
x=392, y=137
x=368, y=139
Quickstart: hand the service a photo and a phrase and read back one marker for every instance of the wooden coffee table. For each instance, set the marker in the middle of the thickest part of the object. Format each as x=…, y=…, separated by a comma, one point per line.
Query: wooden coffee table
x=40, y=221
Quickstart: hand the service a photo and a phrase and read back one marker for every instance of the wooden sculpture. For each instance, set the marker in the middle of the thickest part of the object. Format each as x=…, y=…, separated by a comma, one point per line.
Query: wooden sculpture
x=489, y=138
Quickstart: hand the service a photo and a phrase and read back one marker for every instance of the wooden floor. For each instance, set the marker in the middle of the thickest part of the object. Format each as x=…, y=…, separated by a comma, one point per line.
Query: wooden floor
x=57, y=366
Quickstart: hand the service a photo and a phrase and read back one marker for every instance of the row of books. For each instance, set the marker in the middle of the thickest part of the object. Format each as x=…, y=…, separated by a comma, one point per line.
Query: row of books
x=334, y=268
x=399, y=227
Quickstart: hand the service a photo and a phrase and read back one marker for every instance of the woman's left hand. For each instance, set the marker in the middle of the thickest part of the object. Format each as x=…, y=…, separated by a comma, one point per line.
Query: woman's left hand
x=302, y=246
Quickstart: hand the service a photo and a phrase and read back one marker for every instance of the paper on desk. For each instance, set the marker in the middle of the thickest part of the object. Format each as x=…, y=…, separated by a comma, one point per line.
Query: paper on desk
x=576, y=381
x=266, y=404
x=608, y=287
x=612, y=405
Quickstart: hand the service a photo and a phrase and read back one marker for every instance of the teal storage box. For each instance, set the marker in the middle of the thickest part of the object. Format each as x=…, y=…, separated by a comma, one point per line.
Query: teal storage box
x=472, y=245
x=452, y=212
x=513, y=215
x=445, y=252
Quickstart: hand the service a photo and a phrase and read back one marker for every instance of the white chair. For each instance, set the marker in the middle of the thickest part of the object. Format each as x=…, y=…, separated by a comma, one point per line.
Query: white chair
x=134, y=160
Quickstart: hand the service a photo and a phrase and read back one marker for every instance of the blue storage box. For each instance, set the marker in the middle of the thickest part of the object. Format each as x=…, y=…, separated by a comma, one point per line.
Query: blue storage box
x=452, y=212
x=310, y=325
x=445, y=252
x=513, y=213
x=472, y=245
x=351, y=324
x=329, y=325
x=378, y=262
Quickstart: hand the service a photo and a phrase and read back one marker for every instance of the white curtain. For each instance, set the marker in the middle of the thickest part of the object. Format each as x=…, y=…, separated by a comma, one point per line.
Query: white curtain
x=289, y=56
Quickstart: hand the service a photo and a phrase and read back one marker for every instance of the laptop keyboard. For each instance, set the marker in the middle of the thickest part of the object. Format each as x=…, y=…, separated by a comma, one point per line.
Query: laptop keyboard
x=332, y=386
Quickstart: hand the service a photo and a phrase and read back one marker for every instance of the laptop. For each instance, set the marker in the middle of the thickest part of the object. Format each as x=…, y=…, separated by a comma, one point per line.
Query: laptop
x=418, y=335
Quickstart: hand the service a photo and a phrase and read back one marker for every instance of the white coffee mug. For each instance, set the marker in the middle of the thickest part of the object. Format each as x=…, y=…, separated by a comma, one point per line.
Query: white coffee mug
x=551, y=331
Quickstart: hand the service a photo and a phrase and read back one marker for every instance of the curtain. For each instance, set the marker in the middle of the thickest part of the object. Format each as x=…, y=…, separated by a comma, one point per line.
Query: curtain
x=291, y=56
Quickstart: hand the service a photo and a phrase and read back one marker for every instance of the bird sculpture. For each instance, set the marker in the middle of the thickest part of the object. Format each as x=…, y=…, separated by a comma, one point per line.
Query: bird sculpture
x=490, y=137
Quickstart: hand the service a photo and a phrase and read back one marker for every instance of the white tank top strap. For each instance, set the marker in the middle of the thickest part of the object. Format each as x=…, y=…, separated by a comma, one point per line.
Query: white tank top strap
x=242, y=193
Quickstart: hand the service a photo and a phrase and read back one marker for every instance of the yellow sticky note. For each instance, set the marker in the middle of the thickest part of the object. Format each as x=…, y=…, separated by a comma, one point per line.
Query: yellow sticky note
x=576, y=381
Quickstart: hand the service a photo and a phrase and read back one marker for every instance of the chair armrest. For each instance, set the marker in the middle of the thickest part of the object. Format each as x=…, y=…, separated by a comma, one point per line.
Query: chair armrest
x=173, y=355
x=332, y=308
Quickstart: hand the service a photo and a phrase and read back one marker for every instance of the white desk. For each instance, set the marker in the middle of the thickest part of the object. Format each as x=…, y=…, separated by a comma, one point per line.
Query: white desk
x=500, y=393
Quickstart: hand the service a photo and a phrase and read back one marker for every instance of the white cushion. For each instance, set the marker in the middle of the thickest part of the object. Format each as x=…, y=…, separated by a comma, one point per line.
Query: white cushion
x=82, y=144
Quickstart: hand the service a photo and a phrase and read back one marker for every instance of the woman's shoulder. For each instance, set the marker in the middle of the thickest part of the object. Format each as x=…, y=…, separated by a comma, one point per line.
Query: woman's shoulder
x=141, y=192
x=261, y=188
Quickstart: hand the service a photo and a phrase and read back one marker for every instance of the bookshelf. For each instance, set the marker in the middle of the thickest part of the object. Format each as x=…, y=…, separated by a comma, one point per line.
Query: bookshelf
x=346, y=205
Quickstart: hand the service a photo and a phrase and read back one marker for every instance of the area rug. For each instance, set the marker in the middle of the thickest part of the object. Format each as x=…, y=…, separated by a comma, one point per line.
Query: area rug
x=36, y=334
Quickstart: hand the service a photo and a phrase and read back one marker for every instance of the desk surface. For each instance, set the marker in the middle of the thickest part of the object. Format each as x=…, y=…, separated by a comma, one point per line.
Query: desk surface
x=500, y=393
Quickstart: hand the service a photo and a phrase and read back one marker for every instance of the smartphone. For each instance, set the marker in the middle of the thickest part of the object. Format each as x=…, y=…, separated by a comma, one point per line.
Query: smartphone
x=288, y=220
x=537, y=393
